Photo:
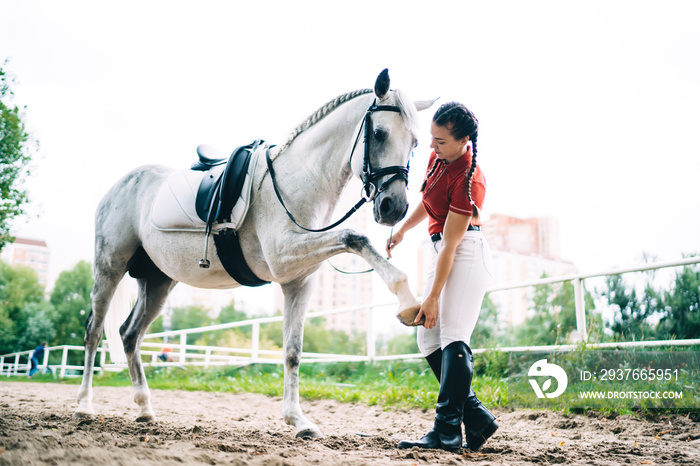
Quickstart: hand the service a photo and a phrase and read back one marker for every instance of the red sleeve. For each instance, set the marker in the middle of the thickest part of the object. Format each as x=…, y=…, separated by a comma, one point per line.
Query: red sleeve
x=459, y=199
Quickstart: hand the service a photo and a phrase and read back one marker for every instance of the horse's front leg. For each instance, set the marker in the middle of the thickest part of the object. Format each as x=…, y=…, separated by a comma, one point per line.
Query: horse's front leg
x=313, y=248
x=395, y=279
x=296, y=298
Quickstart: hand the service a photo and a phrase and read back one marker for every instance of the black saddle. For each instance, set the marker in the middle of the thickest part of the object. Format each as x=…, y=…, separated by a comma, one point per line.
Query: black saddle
x=217, y=194
x=222, y=184
x=209, y=157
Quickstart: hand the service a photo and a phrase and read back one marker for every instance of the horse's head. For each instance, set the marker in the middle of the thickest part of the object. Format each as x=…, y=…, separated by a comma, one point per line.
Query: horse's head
x=390, y=134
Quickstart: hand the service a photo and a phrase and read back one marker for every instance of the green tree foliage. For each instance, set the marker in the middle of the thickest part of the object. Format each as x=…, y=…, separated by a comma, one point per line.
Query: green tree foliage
x=39, y=318
x=399, y=344
x=230, y=314
x=16, y=148
x=71, y=300
x=19, y=287
x=554, y=318
x=631, y=318
x=192, y=317
x=486, y=332
x=681, y=306
x=189, y=317
x=318, y=338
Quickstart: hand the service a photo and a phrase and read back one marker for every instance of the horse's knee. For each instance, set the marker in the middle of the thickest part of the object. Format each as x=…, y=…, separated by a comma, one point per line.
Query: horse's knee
x=293, y=361
x=93, y=332
x=354, y=240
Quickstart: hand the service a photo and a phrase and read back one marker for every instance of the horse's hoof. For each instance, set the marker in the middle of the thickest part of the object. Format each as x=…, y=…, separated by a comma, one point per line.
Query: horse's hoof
x=146, y=418
x=408, y=316
x=82, y=415
x=309, y=432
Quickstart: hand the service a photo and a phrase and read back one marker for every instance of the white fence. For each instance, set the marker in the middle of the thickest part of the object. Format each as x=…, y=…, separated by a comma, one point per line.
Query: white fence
x=183, y=353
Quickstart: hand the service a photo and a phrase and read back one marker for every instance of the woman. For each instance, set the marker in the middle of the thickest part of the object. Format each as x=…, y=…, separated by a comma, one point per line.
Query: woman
x=453, y=192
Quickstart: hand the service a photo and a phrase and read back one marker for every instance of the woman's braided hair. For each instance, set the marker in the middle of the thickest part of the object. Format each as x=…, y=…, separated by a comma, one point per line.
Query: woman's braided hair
x=461, y=122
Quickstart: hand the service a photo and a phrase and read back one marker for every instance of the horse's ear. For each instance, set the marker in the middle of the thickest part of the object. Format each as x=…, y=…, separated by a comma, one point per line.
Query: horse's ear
x=424, y=104
x=381, y=86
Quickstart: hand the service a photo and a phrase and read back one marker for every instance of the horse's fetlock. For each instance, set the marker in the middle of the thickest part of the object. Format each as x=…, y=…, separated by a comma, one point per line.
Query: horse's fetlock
x=399, y=282
x=142, y=398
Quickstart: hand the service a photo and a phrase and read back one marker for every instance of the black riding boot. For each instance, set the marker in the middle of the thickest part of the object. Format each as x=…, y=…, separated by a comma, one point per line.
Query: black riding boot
x=479, y=423
x=456, y=375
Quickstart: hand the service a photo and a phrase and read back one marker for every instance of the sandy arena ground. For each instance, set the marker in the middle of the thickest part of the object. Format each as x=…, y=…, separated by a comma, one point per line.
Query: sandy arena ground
x=193, y=428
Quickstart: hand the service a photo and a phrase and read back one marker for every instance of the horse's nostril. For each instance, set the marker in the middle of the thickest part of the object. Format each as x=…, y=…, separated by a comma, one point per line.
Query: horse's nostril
x=386, y=206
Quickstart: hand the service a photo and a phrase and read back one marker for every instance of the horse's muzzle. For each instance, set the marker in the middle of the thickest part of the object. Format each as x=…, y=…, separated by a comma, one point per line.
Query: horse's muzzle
x=389, y=210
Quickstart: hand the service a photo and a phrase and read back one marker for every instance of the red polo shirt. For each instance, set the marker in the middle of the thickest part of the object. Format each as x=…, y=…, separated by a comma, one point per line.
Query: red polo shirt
x=446, y=190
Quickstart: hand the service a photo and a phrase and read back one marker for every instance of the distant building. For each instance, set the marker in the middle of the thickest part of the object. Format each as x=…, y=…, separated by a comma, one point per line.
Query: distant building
x=31, y=253
x=530, y=236
x=523, y=250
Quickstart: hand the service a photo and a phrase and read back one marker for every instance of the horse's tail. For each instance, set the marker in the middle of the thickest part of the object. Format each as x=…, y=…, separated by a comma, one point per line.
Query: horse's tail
x=119, y=309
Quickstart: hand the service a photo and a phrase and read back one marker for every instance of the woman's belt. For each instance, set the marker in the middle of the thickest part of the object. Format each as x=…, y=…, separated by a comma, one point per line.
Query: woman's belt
x=438, y=236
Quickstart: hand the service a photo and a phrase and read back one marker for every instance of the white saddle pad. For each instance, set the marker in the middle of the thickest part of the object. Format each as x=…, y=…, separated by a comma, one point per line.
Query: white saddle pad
x=174, y=206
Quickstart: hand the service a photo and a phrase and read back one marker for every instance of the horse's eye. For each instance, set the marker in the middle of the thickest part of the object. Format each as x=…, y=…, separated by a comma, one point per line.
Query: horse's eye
x=380, y=134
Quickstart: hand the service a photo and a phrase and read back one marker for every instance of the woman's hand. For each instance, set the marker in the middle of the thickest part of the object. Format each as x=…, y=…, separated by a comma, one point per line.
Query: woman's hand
x=418, y=215
x=392, y=242
x=430, y=309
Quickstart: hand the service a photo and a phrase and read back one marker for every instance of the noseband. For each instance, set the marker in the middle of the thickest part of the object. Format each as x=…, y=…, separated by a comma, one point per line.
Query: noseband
x=369, y=178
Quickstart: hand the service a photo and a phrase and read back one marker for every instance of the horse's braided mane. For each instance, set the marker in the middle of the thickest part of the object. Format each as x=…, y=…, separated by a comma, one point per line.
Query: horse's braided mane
x=318, y=115
x=312, y=120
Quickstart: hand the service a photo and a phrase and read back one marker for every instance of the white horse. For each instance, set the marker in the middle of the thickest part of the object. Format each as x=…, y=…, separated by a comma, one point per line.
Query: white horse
x=311, y=170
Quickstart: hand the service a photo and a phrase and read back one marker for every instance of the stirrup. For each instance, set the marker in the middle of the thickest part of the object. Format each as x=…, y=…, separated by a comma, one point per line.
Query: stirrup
x=204, y=262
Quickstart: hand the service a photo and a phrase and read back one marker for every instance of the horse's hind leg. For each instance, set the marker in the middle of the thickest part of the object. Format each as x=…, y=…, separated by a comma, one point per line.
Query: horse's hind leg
x=106, y=282
x=296, y=298
x=153, y=291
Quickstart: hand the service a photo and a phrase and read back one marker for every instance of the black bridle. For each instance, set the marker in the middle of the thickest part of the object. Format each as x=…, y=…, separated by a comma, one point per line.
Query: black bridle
x=369, y=178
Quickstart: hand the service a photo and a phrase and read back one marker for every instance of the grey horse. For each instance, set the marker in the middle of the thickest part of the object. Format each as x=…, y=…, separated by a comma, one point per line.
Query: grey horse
x=312, y=168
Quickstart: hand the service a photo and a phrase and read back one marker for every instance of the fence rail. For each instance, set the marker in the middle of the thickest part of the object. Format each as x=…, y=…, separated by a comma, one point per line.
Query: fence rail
x=16, y=364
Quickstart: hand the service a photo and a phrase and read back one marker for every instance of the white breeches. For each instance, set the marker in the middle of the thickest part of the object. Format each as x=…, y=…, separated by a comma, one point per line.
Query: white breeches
x=462, y=295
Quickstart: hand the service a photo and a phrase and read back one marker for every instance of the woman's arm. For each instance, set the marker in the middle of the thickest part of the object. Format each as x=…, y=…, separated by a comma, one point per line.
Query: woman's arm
x=418, y=215
x=455, y=227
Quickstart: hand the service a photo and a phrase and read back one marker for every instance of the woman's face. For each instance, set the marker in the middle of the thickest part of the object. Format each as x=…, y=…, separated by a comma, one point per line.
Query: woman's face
x=445, y=146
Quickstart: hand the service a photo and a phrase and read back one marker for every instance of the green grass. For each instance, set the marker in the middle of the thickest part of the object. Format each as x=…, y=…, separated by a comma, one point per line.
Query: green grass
x=499, y=382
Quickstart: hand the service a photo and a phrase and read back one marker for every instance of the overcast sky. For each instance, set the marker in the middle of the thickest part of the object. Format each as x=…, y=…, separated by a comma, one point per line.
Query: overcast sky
x=589, y=111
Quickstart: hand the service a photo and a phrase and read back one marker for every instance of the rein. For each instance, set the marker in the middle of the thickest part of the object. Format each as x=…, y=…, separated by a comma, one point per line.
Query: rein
x=368, y=176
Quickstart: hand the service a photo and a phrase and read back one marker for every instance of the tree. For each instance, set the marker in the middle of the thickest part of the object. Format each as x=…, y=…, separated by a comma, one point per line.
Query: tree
x=39, y=325
x=19, y=287
x=189, y=317
x=631, y=318
x=16, y=148
x=681, y=306
x=485, y=334
x=71, y=300
x=230, y=314
x=318, y=339
x=554, y=318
